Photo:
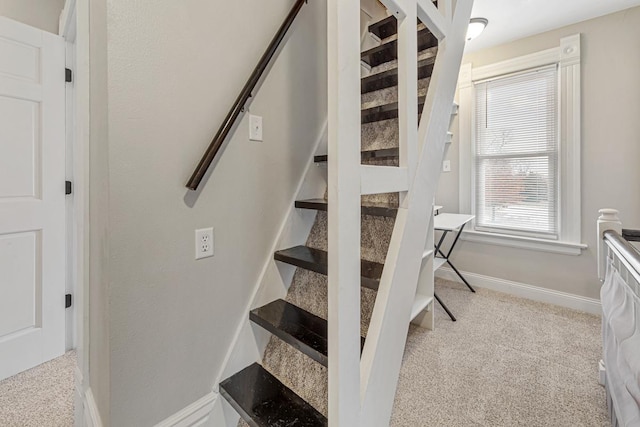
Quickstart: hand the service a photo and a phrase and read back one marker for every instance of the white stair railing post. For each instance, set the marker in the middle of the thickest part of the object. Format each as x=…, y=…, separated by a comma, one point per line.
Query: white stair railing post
x=344, y=212
x=608, y=220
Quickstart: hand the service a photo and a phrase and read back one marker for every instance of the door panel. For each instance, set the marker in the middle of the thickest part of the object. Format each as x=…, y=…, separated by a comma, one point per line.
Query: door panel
x=25, y=60
x=20, y=148
x=32, y=198
x=20, y=287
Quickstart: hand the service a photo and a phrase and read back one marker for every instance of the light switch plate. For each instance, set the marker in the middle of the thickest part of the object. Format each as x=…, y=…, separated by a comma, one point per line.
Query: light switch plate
x=446, y=166
x=255, y=128
x=204, y=243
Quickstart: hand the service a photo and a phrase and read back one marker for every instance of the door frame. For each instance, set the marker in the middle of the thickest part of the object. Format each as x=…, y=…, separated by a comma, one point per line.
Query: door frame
x=70, y=141
x=74, y=28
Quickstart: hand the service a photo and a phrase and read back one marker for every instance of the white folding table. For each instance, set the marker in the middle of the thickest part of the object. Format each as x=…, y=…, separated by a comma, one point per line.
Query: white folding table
x=449, y=222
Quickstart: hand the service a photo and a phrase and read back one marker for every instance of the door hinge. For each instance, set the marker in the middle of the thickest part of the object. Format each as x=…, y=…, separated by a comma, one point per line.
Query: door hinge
x=68, y=75
x=68, y=187
x=67, y=301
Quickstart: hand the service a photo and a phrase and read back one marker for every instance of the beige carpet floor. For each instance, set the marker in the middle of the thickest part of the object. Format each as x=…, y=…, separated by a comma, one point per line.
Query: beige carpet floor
x=506, y=362
x=40, y=397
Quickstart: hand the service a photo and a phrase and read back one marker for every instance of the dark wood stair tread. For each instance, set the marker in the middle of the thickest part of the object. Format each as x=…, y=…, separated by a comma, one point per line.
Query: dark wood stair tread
x=385, y=111
x=263, y=401
x=373, y=209
x=316, y=260
x=389, y=78
x=385, y=28
x=389, y=51
x=300, y=329
x=381, y=154
x=295, y=326
x=388, y=26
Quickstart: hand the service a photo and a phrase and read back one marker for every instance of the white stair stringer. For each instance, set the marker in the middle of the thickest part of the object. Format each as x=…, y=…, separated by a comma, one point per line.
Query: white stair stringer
x=386, y=338
x=365, y=396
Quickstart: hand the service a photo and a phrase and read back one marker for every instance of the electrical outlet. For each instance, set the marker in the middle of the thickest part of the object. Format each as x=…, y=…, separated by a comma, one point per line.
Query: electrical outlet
x=446, y=166
x=255, y=128
x=204, y=243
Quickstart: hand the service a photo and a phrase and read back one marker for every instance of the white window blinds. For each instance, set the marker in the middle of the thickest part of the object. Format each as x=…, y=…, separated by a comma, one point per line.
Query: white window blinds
x=516, y=154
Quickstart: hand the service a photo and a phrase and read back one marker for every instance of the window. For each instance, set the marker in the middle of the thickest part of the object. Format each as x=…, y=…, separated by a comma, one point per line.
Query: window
x=519, y=133
x=516, y=154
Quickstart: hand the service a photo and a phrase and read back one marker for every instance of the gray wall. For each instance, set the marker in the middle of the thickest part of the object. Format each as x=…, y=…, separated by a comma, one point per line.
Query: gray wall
x=174, y=68
x=43, y=14
x=610, y=153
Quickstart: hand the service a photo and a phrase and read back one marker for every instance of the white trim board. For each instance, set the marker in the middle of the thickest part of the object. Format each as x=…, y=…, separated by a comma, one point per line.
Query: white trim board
x=523, y=290
x=86, y=413
x=67, y=25
x=91, y=413
x=194, y=415
x=522, y=242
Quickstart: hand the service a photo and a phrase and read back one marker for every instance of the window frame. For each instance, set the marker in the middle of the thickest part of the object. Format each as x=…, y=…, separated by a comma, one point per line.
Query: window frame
x=507, y=230
x=567, y=58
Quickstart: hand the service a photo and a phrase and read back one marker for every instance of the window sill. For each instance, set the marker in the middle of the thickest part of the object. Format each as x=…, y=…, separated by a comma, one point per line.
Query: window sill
x=530, y=243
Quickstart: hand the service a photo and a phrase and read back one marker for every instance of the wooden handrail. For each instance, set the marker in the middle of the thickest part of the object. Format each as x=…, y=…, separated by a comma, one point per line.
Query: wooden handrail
x=631, y=235
x=239, y=104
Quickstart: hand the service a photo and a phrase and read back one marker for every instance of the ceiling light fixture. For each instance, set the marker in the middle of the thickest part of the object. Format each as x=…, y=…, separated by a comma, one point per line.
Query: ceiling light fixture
x=476, y=26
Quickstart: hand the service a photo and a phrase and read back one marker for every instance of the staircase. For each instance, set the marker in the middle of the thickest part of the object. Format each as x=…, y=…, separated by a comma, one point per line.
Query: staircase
x=335, y=350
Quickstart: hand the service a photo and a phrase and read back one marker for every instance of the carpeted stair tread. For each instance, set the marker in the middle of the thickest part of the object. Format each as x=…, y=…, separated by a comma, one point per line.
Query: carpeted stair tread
x=316, y=260
x=389, y=78
x=263, y=401
x=386, y=111
x=373, y=209
x=389, y=51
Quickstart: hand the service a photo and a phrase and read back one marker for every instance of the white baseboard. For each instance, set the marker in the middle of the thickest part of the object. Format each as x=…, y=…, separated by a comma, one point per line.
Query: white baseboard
x=86, y=412
x=91, y=413
x=523, y=290
x=194, y=415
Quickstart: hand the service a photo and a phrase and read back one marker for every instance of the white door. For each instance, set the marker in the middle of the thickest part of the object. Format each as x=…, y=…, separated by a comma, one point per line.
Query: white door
x=32, y=197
